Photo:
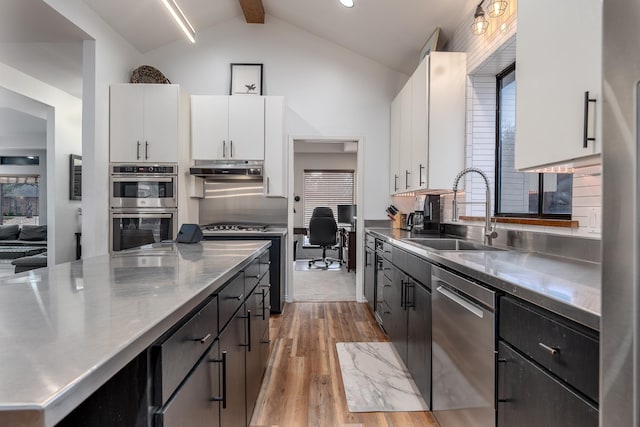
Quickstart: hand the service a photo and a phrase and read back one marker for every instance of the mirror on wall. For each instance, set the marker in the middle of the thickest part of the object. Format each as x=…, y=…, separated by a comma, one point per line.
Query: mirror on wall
x=75, y=177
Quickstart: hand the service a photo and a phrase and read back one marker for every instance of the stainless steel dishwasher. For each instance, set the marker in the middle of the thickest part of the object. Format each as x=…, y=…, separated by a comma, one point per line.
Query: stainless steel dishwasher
x=463, y=351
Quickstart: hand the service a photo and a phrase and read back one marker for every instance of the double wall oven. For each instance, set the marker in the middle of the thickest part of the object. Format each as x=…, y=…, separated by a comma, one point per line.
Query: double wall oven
x=144, y=204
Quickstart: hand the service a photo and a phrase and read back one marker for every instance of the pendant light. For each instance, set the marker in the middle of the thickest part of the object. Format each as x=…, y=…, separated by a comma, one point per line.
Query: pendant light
x=346, y=3
x=480, y=23
x=496, y=8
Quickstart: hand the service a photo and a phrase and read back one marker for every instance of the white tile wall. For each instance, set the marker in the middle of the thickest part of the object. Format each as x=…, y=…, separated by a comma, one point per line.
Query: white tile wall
x=487, y=55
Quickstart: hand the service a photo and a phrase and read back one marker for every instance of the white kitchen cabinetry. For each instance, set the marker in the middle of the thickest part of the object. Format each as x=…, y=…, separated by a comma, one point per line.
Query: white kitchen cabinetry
x=144, y=123
x=227, y=127
x=275, y=148
x=555, y=66
x=428, y=125
x=394, y=147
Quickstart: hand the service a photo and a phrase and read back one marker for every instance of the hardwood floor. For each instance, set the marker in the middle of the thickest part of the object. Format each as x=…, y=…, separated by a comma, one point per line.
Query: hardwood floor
x=303, y=383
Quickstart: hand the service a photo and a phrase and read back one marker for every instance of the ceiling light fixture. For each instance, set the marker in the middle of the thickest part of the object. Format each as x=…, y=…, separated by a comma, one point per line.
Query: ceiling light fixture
x=181, y=19
x=346, y=3
x=496, y=8
x=480, y=23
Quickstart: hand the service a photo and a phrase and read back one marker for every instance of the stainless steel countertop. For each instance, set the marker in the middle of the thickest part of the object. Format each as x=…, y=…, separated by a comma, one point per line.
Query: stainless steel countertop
x=269, y=232
x=65, y=330
x=568, y=287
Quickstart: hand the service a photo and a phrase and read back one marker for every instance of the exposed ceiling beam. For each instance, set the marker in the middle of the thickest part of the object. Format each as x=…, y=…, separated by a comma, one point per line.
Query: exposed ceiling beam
x=253, y=11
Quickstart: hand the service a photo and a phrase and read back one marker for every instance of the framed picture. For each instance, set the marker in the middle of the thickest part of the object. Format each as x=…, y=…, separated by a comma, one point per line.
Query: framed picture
x=75, y=177
x=246, y=79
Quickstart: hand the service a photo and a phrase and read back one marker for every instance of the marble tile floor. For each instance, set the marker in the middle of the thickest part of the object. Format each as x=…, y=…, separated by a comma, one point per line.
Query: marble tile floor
x=376, y=380
x=323, y=285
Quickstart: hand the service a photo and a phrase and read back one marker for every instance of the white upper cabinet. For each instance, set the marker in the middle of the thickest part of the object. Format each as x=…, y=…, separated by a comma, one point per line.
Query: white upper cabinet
x=428, y=125
x=144, y=123
x=394, y=147
x=275, y=148
x=227, y=127
x=558, y=60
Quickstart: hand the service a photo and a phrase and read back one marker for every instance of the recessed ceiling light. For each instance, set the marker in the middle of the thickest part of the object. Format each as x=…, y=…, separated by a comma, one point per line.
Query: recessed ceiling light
x=346, y=3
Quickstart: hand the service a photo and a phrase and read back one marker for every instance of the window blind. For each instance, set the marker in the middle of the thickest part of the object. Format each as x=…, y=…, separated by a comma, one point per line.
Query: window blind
x=328, y=188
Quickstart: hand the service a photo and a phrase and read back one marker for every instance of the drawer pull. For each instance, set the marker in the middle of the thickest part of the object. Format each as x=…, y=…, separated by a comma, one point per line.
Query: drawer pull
x=223, y=398
x=551, y=350
x=203, y=339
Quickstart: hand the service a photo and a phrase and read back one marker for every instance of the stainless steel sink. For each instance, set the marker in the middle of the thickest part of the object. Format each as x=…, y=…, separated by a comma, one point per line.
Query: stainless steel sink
x=450, y=244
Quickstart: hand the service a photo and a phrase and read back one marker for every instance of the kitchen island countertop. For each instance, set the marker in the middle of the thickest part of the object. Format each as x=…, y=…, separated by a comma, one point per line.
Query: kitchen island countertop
x=566, y=286
x=65, y=330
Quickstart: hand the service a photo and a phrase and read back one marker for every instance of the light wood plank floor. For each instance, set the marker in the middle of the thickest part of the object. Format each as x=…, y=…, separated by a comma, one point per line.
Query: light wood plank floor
x=303, y=383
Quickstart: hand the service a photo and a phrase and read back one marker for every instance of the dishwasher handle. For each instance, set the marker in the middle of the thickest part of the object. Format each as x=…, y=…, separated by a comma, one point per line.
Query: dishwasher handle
x=461, y=301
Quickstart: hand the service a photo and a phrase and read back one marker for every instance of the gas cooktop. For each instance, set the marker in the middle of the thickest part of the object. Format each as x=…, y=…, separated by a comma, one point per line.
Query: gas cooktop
x=228, y=226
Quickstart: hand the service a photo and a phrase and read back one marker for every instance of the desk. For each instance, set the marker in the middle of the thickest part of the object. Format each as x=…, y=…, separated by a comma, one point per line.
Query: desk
x=348, y=243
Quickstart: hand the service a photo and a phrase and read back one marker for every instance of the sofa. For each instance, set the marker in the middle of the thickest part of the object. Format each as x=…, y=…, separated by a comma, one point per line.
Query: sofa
x=27, y=235
x=33, y=238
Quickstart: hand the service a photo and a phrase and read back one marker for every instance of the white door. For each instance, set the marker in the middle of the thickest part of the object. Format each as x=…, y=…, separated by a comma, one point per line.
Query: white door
x=419, y=125
x=556, y=63
x=126, y=138
x=394, y=147
x=209, y=127
x=160, y=111
x=275, y=148
x=246, y=127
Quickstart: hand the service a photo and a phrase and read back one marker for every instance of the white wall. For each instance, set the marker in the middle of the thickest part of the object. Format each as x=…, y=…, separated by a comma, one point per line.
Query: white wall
x=107, y=59
x=63, y=138
x=302, y=161
x=330, y=91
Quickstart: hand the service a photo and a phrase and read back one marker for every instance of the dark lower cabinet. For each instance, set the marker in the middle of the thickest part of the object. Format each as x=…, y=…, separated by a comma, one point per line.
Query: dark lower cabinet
x=233, y=342
x=547, y=368
x=197, y=402
x=419, y=340
x=528, y=396
x=397, y=325
x=369, y=277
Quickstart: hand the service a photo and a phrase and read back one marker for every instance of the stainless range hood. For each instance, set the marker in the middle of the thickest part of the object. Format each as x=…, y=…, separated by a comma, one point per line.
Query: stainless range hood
x=229, y=170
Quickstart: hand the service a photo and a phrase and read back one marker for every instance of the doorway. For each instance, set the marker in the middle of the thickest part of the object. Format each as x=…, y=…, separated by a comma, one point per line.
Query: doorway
x=324, y=172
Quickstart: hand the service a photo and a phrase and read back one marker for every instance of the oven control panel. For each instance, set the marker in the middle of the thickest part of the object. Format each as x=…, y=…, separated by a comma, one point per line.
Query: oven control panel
x=145, y=169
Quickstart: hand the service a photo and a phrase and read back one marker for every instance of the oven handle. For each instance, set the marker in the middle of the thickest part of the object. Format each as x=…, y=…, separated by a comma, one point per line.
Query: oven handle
x=142, y=215
x=141, y=179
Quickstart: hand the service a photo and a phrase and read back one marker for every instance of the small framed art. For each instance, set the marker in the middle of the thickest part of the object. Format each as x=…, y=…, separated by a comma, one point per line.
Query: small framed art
x=246, y=79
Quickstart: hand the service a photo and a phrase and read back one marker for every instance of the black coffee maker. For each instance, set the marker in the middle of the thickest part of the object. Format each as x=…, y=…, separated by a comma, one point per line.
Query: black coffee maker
x=432, y=214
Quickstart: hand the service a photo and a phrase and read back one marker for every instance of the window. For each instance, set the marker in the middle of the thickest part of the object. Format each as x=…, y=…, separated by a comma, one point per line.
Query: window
x=518, y=193
x=19, y=199
x=327, y=188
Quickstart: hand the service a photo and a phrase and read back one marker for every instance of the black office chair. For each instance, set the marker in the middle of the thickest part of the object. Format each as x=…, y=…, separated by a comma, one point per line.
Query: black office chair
x=323, y=232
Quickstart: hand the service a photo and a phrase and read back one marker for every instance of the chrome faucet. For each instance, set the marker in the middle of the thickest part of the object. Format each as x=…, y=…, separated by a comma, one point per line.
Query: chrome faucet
x=489, y=230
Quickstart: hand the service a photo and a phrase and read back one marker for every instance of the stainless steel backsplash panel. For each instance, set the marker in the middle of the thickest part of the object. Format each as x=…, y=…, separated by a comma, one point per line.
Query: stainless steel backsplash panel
x=581, y=248
x=241, y=202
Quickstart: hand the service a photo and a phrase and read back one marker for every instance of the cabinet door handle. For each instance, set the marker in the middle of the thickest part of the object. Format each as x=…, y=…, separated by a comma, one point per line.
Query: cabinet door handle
x=248, y=330
x=420, y=181
x=407, y=303
x=395, y=182
x=146, y=150
x=222, y=398
x=231, y=148
x=138, y=151
x=224, y=149
x=406, y=179
x=267, y=185
x=203, y=339
x=551, y=350
x=587, y=101
x=403, y=294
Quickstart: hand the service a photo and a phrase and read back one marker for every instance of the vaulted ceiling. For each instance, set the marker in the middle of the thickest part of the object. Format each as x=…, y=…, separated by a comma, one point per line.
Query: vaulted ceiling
x=391, y=32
